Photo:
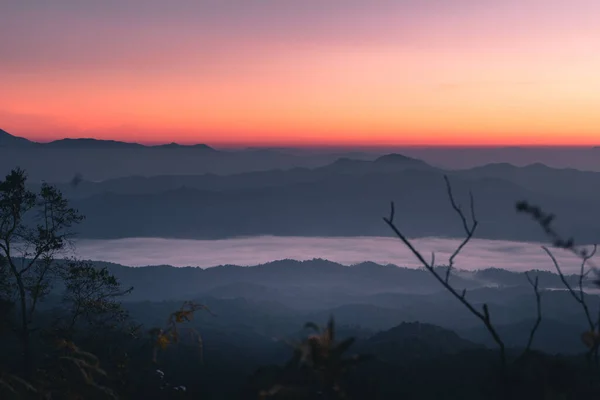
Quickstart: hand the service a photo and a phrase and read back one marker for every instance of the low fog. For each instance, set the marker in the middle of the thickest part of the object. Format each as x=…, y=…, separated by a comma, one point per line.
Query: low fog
x=479, y=254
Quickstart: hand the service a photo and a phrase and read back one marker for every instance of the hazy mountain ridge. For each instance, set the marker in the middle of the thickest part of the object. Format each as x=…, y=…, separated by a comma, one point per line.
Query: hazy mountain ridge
x=566, y=182
x=365, y=279
x=274, y=299
x=343, y=197
x=536, y=177
x=60, y=160
x=313, y=203
x=387, y=163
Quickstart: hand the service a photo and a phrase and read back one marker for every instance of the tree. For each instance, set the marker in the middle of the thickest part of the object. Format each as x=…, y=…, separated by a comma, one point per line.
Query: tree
x=35, y=229
x=92, y=295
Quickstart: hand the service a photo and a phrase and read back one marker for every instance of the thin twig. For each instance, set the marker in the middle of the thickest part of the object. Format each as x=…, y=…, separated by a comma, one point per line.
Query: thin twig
x=538, y=302
x=545, y=220
x=581, y=297
x=578, y=298
x=585, y=257
x=469, y=231
x=583, y=273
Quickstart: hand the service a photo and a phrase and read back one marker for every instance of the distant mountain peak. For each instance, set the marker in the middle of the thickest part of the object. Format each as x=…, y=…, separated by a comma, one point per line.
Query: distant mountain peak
x=387, y=163
x=78, y=143
x=415, y=339
x=508, y=167
x=396, y=158
x=6, y=139
x=173, y=145
x=168, y=145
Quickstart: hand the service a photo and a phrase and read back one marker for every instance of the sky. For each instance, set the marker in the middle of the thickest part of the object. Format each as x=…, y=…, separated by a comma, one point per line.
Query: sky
x=309, y=72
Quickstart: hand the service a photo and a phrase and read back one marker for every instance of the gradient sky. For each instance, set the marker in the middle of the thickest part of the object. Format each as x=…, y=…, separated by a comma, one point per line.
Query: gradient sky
x=291, y=72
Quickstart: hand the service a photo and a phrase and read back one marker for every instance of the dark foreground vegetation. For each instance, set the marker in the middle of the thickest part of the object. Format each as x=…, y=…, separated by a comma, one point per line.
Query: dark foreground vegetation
x=73, y=329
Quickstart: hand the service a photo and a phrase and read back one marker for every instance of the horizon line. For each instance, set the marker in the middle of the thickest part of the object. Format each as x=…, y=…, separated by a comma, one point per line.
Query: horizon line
x=286, y=144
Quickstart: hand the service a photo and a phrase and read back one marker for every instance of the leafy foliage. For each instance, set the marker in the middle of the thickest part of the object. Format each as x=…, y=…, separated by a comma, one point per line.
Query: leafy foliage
x=317, y=366
x=172, y=333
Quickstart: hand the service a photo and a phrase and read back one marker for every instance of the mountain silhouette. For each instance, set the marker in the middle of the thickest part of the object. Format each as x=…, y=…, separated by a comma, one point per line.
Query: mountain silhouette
x=411, y=340
x=387, y=163
x=8, y=140
x=91, y=143
x=399, y=159
x=174, y=145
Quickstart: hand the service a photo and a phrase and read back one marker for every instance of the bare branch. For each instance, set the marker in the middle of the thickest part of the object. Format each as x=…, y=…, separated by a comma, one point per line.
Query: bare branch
x=454, y=205
x=483, y=315
x=545, y=220
x=538, y=302
x=406, y=242
x=469, y=230
x=578, y=298
x=583, y=273
x=392, y=211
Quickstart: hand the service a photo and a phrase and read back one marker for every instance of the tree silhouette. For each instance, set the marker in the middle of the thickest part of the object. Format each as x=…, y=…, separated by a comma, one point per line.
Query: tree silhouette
x=92, y=294
x=34, y=229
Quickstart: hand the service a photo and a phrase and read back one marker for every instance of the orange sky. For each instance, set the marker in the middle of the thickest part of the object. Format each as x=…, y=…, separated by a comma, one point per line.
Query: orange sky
x=350, y=72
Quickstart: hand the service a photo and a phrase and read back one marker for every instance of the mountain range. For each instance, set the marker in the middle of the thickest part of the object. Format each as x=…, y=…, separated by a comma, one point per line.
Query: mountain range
x=59, y=160
x=276, y=298
x=98, y=160
x=345, y=198
x=128, y=190
x=10, y=141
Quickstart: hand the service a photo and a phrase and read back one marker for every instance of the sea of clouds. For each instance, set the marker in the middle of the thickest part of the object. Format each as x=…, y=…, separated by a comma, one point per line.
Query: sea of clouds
x=479, y=253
